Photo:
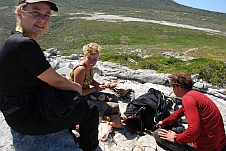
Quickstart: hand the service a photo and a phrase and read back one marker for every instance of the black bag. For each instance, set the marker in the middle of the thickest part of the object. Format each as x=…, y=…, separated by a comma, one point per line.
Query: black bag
x=134, y=122
x=150, y=108
x=55, y=104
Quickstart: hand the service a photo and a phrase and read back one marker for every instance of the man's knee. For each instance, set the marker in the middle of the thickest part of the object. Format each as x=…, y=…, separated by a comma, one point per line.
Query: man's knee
x=156, y=135
x=158, y=139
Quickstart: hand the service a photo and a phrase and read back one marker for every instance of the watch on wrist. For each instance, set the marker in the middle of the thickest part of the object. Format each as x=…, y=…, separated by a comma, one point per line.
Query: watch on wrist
x=174, y=138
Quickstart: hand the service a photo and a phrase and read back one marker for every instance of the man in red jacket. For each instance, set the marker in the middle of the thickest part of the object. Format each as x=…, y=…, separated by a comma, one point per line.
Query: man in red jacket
x=205, y=124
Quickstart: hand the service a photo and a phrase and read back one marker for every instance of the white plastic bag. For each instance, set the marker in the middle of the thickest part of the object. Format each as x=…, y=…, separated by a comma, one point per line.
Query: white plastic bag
x=103, y=131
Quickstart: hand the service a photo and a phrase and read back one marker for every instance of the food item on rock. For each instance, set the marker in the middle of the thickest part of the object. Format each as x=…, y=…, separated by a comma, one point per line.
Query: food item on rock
x=101, y=97
x=92, y=97
x=113, y=84
x=107, y=118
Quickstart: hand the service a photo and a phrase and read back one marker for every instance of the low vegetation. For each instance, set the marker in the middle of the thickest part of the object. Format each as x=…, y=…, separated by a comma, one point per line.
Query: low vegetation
x=212, y=71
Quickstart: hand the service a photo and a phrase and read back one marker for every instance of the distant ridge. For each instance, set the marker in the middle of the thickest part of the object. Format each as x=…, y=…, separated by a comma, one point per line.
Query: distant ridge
x=215, y=20
x=169, y=5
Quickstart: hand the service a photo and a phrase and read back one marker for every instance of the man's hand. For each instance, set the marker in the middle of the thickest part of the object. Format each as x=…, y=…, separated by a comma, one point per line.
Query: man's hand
x=167, y=135
x=160, y=124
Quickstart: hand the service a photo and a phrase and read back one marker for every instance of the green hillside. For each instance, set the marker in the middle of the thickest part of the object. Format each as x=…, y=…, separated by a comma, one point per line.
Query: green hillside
x=138, y=37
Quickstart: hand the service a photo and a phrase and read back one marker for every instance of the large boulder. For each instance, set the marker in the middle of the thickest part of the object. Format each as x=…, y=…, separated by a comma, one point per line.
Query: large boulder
x=59, y=141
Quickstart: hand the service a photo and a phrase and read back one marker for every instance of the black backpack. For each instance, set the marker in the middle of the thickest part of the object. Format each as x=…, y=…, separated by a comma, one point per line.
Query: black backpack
x=146, y=111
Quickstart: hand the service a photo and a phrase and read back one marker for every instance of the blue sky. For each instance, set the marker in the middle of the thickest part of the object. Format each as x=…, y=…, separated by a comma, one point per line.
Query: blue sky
x=211, y=5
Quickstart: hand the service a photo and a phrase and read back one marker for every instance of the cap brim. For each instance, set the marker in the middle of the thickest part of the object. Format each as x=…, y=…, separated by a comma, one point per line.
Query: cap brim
x=52, y=5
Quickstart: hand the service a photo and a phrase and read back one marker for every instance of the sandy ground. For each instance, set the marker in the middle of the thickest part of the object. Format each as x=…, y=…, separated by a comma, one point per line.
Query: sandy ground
x=116, y=18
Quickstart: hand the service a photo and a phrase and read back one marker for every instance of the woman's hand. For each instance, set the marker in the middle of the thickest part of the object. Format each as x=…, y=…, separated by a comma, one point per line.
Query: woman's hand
x=167, y=135
x=100, y=87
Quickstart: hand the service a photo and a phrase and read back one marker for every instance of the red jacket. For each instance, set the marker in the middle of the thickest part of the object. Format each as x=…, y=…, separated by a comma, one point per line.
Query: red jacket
x=205, y=123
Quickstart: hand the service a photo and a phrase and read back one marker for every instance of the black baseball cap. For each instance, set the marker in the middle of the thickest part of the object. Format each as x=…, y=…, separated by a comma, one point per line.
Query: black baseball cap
x=52, y=5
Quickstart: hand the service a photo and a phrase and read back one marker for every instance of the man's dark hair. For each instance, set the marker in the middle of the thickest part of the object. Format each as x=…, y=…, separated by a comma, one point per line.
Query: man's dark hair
x=181, y=79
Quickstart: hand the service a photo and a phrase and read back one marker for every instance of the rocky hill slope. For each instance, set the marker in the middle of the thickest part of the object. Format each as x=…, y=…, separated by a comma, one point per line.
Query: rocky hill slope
x=120, y=139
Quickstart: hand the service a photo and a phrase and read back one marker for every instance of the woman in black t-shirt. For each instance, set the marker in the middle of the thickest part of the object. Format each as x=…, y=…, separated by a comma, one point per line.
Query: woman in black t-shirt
x=22, y=54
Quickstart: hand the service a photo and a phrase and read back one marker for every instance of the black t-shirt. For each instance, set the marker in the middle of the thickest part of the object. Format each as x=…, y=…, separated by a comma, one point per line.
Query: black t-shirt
x=21, y=61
